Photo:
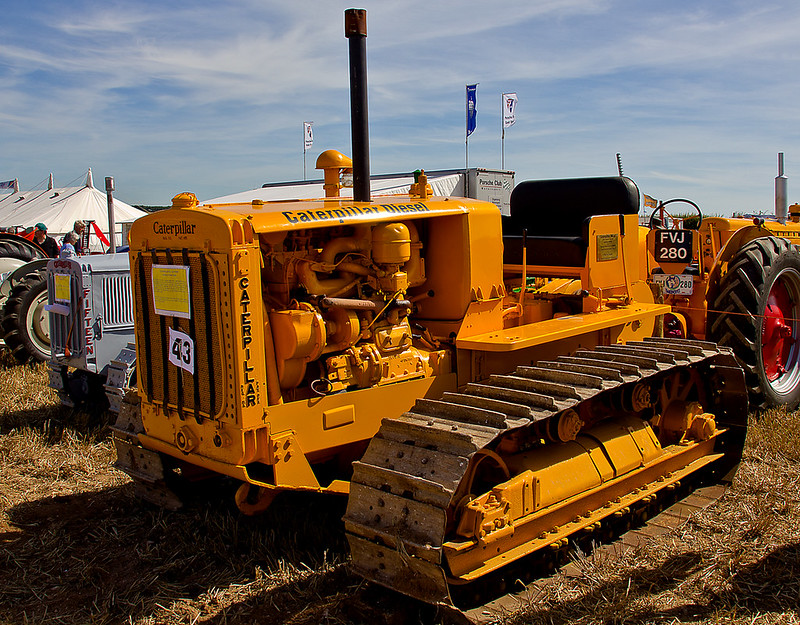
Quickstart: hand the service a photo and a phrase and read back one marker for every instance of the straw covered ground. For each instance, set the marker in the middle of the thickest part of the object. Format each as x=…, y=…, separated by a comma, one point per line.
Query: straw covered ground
x=76, y=547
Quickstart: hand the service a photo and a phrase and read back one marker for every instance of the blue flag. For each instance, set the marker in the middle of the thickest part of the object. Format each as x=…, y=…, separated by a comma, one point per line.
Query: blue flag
x=472, y=110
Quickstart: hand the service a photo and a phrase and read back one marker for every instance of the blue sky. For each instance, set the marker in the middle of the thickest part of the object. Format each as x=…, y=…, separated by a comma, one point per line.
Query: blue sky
x=209, y=97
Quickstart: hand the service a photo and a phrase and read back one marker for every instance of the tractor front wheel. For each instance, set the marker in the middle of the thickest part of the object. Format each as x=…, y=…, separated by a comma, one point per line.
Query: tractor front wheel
x=25, y=323
x=757, y=313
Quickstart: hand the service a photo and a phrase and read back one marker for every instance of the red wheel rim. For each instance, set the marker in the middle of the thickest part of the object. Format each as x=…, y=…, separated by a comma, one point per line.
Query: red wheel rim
x=777, y=336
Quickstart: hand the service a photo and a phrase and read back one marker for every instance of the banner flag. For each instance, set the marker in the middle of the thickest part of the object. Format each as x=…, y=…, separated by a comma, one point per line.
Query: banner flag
x=308, y=135
x=472, y=110
x=650, y=202
x=509, y=109
x=8, y=184
x=100, y=234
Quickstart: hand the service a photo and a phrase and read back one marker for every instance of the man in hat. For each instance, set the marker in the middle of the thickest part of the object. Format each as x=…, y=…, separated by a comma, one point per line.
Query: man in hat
x=77, y=229
x=48, y=244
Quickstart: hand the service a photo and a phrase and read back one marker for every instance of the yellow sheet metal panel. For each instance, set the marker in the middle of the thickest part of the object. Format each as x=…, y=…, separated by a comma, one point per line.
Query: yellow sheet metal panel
x=614, y=255
x=291, y=215
x=559, y=471
x=562, y=471
x=550, y=330
x=337, y=417
x=467, y=562
x=369, y=406
x=463, y=263
x=176, y=228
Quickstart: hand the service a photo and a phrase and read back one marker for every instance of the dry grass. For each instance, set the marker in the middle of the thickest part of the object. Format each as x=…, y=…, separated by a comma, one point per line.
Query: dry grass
x=736, y=562
x=76, y=546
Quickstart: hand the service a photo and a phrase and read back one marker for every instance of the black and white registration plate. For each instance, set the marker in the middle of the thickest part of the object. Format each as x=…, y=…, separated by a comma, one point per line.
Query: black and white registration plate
x=673, y=246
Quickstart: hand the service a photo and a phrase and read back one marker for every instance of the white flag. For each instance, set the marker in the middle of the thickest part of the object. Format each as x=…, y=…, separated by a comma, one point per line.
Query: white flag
x=308, y=135
x=509, y=109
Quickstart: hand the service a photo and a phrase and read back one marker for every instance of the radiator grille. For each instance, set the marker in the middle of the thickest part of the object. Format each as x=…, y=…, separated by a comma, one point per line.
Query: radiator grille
x=199, y=395
x=117, y=302
x=67, y=331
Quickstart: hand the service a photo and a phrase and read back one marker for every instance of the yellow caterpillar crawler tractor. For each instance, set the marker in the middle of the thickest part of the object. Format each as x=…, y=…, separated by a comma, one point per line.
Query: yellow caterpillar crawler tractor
x=482, y=392
x=736, y=282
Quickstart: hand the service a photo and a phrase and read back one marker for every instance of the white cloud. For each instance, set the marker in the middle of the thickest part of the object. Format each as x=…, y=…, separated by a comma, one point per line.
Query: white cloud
x=209, y=95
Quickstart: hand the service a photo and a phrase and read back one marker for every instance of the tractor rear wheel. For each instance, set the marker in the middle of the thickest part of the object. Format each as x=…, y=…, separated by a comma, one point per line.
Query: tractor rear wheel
x=757, y=313
x=16, y=251
x=25, y=323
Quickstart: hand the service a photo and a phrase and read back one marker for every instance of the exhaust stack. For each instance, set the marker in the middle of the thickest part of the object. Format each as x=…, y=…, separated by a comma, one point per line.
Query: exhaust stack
x=355, y=29
x=112, y=225
x=781, y=194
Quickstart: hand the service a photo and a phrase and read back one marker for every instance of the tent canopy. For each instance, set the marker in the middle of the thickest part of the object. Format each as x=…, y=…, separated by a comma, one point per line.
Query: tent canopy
x=444, y=184
x=59, y=207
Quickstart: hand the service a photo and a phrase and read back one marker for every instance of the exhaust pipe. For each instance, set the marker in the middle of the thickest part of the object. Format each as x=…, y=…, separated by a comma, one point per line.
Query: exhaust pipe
x=112, y=224
x=355, y=29
x=781, y=193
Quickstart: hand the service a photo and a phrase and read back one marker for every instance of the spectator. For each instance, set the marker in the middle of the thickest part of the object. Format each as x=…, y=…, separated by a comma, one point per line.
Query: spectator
x=48, y=244
x=78, y=229
x=68, y=249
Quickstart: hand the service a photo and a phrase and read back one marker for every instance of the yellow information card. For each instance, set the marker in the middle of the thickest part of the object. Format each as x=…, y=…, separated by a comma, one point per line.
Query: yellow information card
x=171, y=291
x=61, y=282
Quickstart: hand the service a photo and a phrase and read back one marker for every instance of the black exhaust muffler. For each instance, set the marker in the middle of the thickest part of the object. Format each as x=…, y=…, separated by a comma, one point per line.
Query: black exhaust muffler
x=355, y=29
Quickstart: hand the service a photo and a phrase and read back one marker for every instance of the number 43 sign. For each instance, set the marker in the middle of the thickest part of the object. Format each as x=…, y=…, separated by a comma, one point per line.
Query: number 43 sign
x=181, y=350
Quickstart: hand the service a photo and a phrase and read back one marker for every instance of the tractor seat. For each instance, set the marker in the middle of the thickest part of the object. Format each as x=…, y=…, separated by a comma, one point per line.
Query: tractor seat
x=549, y=250
x=556, y=215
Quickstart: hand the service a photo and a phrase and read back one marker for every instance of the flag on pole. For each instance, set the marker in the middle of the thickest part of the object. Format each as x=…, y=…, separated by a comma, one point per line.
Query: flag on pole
x=308, y=135
x=649, y=202
x=472, y=110
x=509, y=109
x=8, y=184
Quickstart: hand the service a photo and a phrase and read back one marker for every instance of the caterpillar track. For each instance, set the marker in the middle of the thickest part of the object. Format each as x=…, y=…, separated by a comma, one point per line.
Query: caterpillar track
x=121, y=377
x=145, y=467
x=453, y=491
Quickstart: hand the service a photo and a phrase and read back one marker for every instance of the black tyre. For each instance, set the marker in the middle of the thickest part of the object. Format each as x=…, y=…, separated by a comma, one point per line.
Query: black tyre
x=757, y=313
x=15, y=252
x=13, y=246
x=25, y=324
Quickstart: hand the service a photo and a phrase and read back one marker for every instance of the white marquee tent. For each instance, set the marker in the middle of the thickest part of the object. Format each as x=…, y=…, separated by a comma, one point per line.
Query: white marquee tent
x=59, y=207
x=444, y=183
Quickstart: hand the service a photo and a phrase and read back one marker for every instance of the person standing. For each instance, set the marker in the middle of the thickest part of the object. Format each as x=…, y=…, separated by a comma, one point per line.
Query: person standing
x=48, y=244
x=78, y=229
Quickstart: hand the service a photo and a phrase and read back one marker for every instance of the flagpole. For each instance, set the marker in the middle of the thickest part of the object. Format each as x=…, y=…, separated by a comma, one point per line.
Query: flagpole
x=503, y=150
x=502, y=133
x=466, y=126
x=303, y=126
